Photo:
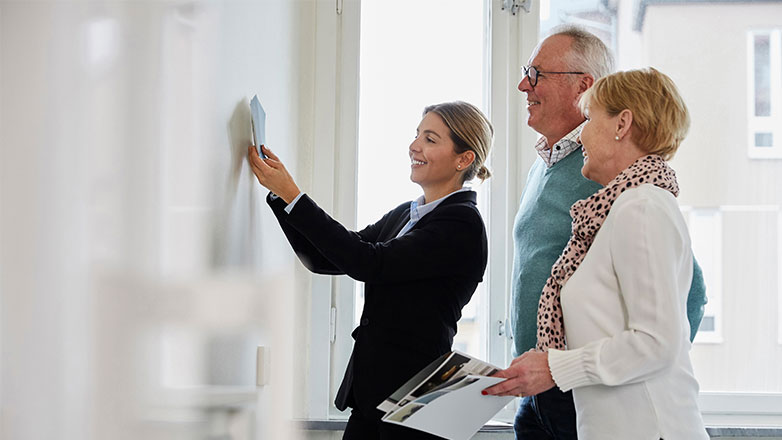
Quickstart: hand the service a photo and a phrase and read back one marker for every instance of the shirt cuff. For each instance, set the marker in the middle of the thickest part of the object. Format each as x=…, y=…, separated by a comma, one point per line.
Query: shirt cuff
x=290, y=206
x=567, y=368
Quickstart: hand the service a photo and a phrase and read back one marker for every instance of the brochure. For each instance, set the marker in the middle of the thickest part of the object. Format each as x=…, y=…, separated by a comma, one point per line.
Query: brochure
x=445, y=398
x=258, y=124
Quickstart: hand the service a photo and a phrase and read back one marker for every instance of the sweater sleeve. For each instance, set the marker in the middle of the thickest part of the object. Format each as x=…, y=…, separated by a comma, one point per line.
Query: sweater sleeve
x=648, y=252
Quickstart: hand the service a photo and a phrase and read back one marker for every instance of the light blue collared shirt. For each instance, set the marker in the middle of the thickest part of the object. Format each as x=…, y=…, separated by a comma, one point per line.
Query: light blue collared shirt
x=290, y=205
x=417, y=210
x=289, y=208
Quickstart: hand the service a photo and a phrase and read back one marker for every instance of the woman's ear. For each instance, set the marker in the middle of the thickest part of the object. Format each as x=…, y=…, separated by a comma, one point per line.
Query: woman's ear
x=466, y=159
x=623, y=122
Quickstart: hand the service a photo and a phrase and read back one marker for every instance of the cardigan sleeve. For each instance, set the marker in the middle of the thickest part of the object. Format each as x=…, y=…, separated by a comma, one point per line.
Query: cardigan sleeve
x=648, y=252
x=449, y=242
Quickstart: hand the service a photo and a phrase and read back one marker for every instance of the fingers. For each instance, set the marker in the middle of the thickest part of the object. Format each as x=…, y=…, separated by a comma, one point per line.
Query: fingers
x=272, y=160
x=269, y=153
x=257, y=165
x=508, y=387
x=503, y=373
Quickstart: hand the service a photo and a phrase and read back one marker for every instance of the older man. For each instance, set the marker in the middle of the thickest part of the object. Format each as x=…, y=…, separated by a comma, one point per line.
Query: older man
x=561, y=68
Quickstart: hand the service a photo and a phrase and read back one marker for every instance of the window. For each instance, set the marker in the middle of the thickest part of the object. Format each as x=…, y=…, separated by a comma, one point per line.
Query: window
x=433, y=68
x=764, y=74
x=734, y=219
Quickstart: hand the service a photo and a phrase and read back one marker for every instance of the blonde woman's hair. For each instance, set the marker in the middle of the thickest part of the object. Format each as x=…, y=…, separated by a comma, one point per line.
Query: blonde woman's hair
x=660, y=117
x=470, y=131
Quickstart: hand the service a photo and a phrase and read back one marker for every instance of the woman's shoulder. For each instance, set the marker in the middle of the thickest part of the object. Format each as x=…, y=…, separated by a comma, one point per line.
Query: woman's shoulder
x=647, y=205
x=460, y=201
x=645, y=195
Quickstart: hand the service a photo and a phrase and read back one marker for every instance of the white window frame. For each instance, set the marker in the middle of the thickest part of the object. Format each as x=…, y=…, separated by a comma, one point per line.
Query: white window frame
x=335, y=130
x=779, y=276
x=772, y=123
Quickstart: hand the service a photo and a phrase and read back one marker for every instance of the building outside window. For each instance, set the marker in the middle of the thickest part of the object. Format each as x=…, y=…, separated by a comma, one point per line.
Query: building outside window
x=764, y=74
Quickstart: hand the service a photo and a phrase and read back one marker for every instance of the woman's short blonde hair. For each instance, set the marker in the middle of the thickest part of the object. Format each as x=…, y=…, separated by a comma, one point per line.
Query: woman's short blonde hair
x=660, y=117
x=470, y=131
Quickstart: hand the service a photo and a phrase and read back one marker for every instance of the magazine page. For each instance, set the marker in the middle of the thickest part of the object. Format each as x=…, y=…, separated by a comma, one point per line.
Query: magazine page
x=449, y=366
x=391, y=402
x=455, y=411
x=445, y=398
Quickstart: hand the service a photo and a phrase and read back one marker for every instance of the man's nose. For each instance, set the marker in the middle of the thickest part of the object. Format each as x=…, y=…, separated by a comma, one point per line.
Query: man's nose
x=524, y=85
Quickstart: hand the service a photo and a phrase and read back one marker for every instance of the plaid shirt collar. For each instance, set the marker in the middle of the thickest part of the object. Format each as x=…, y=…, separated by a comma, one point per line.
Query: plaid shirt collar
x=561, y=149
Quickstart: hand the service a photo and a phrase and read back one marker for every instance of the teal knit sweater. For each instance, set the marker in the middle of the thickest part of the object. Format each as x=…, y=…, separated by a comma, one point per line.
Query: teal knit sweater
x=541, y=231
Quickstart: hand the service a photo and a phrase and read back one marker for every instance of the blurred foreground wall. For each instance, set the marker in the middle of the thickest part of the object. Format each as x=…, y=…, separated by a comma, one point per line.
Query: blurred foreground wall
x=139, y=265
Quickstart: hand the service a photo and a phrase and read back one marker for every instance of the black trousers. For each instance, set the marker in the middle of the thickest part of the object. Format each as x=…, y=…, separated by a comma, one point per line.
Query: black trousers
x=363, y=427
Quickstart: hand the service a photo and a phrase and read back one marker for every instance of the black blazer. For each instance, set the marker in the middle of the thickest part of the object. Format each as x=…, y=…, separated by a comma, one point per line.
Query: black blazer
x=415, y=285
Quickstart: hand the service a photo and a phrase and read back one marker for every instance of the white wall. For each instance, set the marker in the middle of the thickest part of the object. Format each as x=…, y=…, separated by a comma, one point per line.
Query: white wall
x=137, y=256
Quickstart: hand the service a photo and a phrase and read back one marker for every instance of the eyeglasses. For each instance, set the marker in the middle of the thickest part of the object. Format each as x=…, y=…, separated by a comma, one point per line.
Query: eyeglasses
x=533, y=74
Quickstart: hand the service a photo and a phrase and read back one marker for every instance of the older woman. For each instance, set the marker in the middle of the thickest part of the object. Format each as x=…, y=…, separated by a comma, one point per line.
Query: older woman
x=420, y=263
x=618, y=292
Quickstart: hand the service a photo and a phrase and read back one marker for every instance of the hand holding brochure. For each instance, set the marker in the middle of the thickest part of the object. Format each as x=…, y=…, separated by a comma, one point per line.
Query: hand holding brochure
x=445, y=398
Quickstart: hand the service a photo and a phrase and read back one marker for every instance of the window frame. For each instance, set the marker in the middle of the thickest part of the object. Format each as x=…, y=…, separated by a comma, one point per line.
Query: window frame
x=779, y=276
x=773, y=122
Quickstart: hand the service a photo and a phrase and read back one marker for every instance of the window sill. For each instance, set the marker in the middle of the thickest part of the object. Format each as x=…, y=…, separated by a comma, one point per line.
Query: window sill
x=714, y=432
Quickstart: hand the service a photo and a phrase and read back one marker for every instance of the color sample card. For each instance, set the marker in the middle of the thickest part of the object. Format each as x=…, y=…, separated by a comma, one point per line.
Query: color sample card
x=258, y=124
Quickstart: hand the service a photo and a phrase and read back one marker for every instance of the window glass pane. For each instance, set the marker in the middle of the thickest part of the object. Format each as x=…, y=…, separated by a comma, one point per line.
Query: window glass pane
x=764, y=139
x=414, y=54
x=707, y=325
x=690, y=42
x=762, y=75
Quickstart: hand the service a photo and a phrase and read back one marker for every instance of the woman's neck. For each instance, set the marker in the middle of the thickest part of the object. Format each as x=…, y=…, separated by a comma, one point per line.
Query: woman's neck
x=432, y=194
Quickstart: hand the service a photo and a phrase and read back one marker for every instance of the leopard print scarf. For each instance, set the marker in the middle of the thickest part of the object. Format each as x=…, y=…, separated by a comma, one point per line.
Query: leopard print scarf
x=588, y=215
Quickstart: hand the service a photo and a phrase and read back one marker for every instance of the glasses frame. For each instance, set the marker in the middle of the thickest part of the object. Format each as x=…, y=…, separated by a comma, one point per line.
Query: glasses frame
x=533, y=82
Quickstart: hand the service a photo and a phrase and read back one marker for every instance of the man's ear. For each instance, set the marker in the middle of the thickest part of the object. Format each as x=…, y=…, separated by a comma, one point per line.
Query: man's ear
x=585, y=83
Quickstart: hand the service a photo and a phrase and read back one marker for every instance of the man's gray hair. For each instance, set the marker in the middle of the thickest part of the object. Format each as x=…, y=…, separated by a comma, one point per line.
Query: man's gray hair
x=588, y=53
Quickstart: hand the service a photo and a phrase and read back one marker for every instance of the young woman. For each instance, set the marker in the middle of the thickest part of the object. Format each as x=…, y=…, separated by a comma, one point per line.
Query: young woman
x=420, y=263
